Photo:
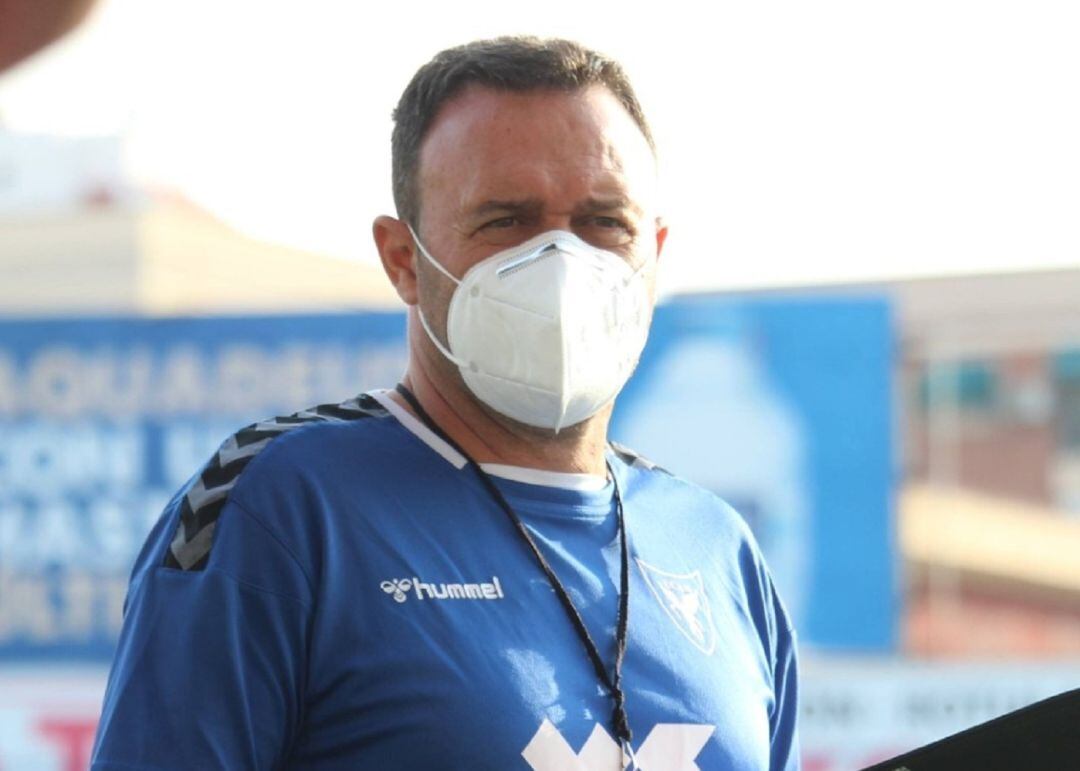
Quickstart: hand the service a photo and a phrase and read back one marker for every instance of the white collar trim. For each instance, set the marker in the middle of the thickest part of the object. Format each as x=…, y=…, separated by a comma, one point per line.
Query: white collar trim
x=425, y=434
x=567, y=480
x=533, y=476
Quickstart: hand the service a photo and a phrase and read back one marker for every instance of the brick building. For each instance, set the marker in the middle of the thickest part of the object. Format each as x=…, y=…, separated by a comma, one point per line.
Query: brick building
x=989, y=393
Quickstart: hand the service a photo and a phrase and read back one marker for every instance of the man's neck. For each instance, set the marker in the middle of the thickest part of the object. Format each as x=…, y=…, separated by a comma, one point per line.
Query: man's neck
x=488, y=439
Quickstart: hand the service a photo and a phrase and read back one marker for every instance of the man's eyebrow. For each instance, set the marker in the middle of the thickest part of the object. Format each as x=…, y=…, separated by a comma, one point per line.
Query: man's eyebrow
x=503, y=206
x=614, y=203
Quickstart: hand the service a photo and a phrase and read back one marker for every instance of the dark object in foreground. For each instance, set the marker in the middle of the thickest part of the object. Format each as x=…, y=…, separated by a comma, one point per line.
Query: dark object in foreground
x=1044, y=736
x=28, y=25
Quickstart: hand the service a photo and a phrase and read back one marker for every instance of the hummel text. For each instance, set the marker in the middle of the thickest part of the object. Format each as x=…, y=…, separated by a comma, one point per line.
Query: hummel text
x=400, y=589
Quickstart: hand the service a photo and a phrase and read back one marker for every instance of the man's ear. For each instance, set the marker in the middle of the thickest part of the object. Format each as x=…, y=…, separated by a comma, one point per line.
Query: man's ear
x=398, y=254
x=661, y=235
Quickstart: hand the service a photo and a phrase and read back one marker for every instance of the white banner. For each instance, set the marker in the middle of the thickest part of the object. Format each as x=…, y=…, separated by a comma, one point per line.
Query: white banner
x=855, y=712
x=48, y=717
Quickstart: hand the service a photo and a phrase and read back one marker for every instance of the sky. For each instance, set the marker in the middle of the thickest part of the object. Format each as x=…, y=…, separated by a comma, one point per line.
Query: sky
x=799, y=142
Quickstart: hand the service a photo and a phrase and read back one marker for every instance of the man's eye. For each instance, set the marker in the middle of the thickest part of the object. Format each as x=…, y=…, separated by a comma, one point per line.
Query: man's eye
x=606, y=232
x=502, y=222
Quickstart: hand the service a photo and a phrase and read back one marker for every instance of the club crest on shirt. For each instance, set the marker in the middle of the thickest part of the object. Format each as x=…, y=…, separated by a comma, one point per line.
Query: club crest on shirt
x=683, y=598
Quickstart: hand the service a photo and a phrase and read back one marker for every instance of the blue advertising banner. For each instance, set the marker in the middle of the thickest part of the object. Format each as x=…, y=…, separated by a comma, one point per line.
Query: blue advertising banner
x=783, y=407
x=780, y=405
x=102, y=420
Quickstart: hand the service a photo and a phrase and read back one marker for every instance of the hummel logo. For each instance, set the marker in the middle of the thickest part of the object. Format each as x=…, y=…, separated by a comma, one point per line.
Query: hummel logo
x=399, y=588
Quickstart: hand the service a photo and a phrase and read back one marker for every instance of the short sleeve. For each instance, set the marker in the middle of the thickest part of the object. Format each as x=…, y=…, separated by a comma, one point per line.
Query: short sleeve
x=783, y=722
x=209, y=671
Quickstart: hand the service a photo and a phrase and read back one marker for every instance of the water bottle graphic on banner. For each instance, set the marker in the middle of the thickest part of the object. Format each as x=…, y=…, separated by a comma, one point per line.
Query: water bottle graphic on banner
x=708, y=412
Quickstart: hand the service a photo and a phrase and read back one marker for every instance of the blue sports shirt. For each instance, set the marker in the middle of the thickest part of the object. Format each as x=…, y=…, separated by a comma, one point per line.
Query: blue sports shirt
x=337, y=590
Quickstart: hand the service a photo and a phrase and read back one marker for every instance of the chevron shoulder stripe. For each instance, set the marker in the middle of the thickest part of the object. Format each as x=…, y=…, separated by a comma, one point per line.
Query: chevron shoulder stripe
x=204, y=500
x=632, y=458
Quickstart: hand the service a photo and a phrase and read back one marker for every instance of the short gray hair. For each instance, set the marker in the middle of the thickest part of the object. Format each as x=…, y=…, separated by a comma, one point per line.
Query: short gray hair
x=507, y=63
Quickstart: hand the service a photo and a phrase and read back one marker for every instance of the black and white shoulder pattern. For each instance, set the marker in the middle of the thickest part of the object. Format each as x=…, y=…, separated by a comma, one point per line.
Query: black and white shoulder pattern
x=632, y=458
x=204, y=500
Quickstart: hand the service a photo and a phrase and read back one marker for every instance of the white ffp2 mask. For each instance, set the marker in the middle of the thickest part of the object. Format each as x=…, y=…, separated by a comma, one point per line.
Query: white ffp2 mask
x=546, y=332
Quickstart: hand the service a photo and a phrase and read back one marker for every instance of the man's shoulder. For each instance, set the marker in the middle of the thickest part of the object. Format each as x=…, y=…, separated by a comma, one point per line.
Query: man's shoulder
x=686, y=500
x=635, y=459
x=307, y=437
x=259, y=454
x=689, y=528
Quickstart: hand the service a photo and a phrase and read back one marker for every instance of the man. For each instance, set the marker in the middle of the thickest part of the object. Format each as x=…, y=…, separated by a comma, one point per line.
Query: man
x=463, y=573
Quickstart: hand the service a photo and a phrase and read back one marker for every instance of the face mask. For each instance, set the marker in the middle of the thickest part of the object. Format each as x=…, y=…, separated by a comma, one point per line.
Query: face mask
x=546, y=332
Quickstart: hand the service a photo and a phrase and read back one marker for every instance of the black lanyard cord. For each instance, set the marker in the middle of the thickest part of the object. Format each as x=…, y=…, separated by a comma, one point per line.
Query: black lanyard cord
x=620, y=721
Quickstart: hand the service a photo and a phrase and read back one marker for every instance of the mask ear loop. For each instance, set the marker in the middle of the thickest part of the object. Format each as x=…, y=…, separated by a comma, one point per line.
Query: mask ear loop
x=438, y=265
x=423, y=321
x=637, y=271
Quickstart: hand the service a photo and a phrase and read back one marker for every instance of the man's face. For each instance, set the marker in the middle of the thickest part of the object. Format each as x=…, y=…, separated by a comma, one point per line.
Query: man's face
x=497, y=168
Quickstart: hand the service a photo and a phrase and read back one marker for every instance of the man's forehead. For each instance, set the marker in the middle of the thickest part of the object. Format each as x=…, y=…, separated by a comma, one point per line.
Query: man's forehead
x=484, y=102
x=486, y=142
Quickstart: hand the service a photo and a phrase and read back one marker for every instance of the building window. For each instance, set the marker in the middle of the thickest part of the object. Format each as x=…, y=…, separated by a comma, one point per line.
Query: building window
x=1067, y=375
x=968, y=385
